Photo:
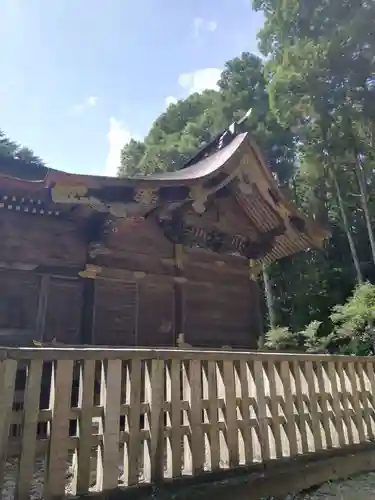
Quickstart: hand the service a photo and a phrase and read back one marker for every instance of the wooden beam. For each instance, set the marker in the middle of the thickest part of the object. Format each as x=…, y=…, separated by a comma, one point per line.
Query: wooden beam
x=68, y=272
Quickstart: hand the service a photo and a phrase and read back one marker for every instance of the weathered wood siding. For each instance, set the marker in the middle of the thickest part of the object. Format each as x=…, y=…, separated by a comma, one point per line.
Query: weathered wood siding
x=221, y=315
x=141, y=236
x=135, y=292
x=63, y=311
x=156, y=313
x=40, y=240
x=18, y=299
x=115, y=313
x=27, y=316
x=137, y=246
x=134, y=313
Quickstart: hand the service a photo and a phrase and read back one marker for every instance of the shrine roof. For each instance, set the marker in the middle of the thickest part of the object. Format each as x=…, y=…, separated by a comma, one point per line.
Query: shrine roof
x=231, y=163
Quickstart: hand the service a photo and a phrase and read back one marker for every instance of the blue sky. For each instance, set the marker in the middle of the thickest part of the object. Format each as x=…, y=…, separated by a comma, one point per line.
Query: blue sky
x=80, y=77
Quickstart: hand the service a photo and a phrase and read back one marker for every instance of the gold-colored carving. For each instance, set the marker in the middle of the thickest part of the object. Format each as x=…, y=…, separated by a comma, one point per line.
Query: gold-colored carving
x=283, y=211
x=139, y=274
x=94, y=203
x=146, y=196
x=254, y=269
x=118, y=210
x=38, y=343
x=199, y=197
x=179, y=255
x=90, y=272
x=98, y=249
x=63, y=193
x=76, y=195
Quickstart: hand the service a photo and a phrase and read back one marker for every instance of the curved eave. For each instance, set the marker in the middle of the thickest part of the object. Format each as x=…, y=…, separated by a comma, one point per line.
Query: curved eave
x=267, y=207
x=314, y=232
x=210, y=174
x=224, y=159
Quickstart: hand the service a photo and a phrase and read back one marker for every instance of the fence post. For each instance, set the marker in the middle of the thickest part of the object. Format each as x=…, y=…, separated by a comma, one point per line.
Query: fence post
x=61, y=387
x=85, y=403
x=30, y=423
x=157, y=420
x=8, y=370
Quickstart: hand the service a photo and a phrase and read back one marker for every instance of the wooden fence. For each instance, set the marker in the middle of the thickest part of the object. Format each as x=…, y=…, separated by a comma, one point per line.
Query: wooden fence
x=158, y=414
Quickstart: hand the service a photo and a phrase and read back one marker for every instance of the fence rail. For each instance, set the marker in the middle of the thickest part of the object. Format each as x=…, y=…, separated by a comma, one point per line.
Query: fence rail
x=98, y=418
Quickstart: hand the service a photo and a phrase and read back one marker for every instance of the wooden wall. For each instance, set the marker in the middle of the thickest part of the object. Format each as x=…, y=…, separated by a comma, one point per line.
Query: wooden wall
x=156, y=314
x=63, y=310
x=35, y=306
x=18, y=299
x=115, y=313
x=40, y=301
x=140, y=297
x=221, y=315
x=219, y=304
x=45, y=240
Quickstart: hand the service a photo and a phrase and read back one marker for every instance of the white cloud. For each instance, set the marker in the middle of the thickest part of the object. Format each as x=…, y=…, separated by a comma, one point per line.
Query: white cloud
x=118, y=135
x=170, y=100
x=199, y=80
x=87, y=103
x=91, y=101
x=201, y=25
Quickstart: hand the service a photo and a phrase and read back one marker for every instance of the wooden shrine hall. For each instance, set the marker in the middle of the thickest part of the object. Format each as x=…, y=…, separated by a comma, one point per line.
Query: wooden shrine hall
x=144, y=261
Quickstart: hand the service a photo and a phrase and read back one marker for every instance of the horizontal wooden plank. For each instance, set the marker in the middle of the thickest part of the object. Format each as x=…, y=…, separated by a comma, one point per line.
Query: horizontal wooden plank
x=108, y=352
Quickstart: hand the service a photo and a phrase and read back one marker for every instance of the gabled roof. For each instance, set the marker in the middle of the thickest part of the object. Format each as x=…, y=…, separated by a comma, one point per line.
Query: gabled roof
x=231, y=163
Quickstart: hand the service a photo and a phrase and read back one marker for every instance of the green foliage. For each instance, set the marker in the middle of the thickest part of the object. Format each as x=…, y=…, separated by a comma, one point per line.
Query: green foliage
x=352, y=328
x=282, y=339
x=191, y=123
x=175, y=136
x=313, y=115
x=10, y=150
x=353, y=322
x=311, y=340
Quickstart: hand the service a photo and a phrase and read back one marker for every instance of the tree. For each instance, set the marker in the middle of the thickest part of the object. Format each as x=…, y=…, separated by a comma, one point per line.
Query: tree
x=11, y=151
x=191, y=123
x=316, y=64
x=313, y=115
x=321, y=59
x=353, y=330
x=7, y=147
x=175, y=136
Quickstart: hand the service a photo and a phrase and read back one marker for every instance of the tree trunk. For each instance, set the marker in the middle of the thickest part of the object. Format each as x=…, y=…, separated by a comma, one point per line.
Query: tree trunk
x=348, y=233
x=269, y=298
x=332, y=174
x=364, y=197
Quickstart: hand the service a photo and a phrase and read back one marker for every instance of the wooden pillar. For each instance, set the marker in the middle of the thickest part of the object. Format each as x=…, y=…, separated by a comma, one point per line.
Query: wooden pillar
x=42, y=307
x=87, y=311
x=254, y=270
x=178, y=292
